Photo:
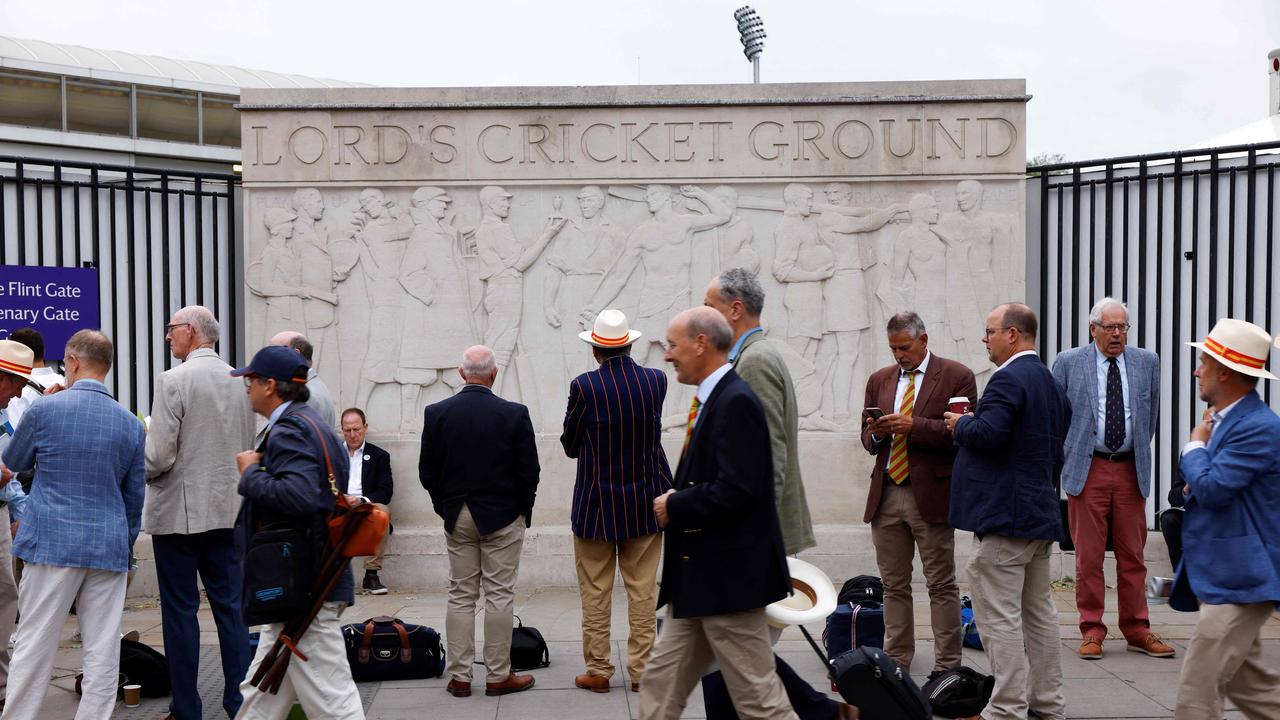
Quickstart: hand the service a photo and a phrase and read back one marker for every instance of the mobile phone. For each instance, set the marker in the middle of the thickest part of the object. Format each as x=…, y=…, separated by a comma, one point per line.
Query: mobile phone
x=874, y=413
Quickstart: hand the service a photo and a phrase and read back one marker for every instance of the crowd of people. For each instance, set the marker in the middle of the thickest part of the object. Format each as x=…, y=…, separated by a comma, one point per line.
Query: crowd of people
x=704, y=541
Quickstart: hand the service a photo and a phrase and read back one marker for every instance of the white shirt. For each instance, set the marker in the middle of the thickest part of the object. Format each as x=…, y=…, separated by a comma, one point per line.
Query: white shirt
x=902, y=390
x=46, y=378
x=1103, y=368
x=709, y=384
x=355, y=475
x=1218, y=416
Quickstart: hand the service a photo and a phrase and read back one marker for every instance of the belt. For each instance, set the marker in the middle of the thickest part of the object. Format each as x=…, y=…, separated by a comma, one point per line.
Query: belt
x=1114, y=457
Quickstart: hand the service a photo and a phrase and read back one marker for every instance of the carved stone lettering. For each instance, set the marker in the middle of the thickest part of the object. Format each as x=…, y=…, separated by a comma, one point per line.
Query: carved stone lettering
x=1010, y=132
x=773, y=128
x=258, y=131
x=394, y=137
x=349, y=137
x=808, y=132
x=913, y=132
x=307, y=144
x=937, y=128
x=845, y=147
x=481, y=143
x=587, y=143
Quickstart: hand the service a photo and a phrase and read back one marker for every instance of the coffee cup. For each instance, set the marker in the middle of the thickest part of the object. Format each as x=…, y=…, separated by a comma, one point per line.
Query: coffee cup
x=958, y=405
x=132, y=695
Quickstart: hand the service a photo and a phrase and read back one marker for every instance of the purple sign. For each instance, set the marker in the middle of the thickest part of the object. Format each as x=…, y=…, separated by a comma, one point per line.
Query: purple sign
x=56, y=301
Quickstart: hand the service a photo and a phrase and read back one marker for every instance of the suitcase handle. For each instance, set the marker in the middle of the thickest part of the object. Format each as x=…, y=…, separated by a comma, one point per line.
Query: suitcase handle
x=831, y=670
x=406, y=652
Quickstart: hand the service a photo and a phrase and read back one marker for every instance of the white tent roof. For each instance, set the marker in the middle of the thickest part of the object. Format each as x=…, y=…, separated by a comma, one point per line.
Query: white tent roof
x=38, y=55
x=1259, y=131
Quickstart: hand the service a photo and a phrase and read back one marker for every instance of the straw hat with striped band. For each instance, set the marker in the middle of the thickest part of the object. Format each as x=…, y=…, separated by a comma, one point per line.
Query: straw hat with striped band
x=1239, y=345
x=611, y=331
x=16, y=359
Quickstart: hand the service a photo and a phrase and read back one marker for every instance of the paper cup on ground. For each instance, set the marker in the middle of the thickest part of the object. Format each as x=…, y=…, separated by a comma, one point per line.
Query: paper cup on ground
x=132, y=695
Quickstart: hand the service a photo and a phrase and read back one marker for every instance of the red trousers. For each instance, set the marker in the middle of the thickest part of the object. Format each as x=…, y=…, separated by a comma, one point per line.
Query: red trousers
x=1110, y=499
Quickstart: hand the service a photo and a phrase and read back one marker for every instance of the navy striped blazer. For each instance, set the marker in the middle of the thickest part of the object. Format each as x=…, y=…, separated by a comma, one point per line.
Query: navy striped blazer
x=613, y=426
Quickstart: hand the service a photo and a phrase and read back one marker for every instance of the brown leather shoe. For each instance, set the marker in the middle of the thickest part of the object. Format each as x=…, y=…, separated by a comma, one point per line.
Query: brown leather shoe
x=594, y=683
x=845, y=711
x=1091, y=648
x=1152, y=645
x=513, y=684
x=635, y=687
x=457, y=688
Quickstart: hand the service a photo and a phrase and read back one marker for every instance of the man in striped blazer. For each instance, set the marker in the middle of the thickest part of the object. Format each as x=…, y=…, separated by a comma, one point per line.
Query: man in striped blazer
x=613, y=427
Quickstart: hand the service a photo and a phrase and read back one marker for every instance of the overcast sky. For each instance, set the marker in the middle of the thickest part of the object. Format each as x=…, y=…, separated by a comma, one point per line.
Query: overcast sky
x=1109, y=77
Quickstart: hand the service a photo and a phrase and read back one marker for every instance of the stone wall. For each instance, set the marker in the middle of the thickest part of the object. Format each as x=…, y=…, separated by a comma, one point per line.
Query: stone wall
x=396, y=227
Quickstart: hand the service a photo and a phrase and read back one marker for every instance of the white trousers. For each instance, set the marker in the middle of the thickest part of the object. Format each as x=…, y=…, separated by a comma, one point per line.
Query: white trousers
x=322, y=685
x=44, y=599
x=8, y=597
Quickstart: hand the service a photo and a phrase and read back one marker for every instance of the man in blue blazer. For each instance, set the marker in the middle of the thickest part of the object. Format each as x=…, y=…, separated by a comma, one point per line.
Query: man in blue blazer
x=77, y=530
x=1114, y=391
x=1231, y=531
x=723, y=543
x=613, y=426
x=1004, y=490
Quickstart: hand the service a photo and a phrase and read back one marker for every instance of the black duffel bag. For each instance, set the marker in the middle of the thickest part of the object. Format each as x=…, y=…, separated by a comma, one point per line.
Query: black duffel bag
x=277, y=574
x=386, y=648
x=867, y=678
x=959, y=693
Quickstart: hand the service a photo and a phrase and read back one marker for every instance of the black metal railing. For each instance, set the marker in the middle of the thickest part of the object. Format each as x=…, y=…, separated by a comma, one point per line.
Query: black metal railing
x=159, y=238
x=1182, y=237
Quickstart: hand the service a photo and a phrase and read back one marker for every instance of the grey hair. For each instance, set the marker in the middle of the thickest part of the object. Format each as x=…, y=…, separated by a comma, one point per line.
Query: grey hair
x=742, y=284
x=93, y=348
x=908, y=322
x=202, y=321
x=478, y=363
x=1095, y=314
x=706, y=321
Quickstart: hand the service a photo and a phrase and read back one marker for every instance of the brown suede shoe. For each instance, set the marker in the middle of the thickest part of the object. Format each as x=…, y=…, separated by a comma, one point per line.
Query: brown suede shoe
x=594, y=683
x=1091, y=648
x=457, y=688
x=1152, y=645
x=513, y=684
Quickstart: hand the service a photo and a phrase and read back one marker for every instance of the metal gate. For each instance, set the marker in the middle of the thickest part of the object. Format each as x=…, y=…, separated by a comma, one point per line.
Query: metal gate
x=160, y=239
x=1183, y=238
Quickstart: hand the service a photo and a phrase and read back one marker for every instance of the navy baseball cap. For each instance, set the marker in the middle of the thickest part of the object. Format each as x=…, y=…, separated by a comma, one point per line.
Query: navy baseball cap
x=276, y=362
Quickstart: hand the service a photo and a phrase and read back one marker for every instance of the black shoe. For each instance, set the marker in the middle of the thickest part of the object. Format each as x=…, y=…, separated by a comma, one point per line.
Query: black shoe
x=373, y=584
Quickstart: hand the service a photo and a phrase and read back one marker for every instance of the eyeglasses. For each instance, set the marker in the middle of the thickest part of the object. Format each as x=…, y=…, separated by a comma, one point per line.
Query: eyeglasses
x=1115, y=329
x=249, y=379
x=992, y=331
x=170, y=328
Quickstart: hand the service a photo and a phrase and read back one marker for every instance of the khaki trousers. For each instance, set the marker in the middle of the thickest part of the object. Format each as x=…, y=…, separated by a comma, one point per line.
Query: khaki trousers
x=739, y=642
x=1014, y=610
x=476, y=561
x=374, y=562
x=1225, y=659
x=8, y=596
x=897, y=530
x=637, y=560
x=322, y=685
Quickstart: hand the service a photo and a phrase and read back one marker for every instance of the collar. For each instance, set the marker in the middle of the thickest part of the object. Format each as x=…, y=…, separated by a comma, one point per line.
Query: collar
x=1015, y=357
x=921, y=368
x=357, y=451
x=311, y=374
x=709, y=384
x=44, y=371
x=201, y=352
x=737, y=347
x=475, y=387
x=275, y=414
x=1101, y=359
x=1221, y=414
x=89, y=385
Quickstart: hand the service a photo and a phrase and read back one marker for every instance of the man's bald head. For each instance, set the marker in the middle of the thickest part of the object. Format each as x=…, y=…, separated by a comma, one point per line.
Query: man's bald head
x=479, y=367
x=296, y=341
x=203, y=323
x=698, y=342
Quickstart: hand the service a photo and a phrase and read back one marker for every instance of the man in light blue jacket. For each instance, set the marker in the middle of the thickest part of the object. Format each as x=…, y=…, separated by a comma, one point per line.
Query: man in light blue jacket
x=1231, y=532
x=1114, y=390
x=81, y=519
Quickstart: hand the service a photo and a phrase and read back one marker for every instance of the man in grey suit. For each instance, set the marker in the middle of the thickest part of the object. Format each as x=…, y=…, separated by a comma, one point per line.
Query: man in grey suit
x=321, y=399
x=1115, y=402
x=737, y=294
x=200, y=420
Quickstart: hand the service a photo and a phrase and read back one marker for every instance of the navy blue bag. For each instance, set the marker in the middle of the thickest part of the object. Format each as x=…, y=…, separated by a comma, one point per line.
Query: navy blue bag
x=853, y=625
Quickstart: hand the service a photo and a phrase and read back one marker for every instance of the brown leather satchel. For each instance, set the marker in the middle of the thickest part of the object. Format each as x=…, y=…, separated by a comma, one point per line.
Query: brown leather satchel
x=363, y=524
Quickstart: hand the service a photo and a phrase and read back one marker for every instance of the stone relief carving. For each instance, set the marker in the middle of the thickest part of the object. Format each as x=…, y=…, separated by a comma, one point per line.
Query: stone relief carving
x=391, y=287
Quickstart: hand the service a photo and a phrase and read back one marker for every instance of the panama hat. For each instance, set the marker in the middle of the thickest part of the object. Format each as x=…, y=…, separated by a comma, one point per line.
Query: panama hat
x=16, y=358
x=1239, y=345
x=610, y=331
x=812, y=597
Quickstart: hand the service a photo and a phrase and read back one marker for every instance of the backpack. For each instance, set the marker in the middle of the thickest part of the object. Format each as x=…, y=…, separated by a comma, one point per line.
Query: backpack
x=969, y=626
x=528, y=649
x=861, y=589
x=959, y=693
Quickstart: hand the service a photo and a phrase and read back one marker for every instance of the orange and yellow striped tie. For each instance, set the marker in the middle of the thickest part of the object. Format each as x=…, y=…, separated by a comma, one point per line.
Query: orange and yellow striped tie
x=688, y=431
x=898, y=469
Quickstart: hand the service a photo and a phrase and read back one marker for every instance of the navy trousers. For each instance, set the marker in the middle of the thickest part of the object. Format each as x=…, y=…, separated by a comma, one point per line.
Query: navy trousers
x=809, y=704
x=215, y=556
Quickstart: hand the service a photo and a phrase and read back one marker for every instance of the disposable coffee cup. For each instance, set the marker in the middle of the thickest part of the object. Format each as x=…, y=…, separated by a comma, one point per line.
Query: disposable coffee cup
x=132, y=695
x=958, y=405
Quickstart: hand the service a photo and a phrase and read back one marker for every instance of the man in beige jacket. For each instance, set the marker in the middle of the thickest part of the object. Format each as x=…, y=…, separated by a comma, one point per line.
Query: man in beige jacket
x=200, y=420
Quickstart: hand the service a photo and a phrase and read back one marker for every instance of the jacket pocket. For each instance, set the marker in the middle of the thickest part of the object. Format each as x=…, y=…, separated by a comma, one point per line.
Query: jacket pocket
x=1235, y=563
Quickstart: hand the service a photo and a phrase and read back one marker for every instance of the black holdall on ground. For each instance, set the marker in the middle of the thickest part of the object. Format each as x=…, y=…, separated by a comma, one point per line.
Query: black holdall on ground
x=386, y=648
x=141, y=665
x=528, y=649
x=277, y=574
x=959, y=693
x=861, y=589
x=867, y=679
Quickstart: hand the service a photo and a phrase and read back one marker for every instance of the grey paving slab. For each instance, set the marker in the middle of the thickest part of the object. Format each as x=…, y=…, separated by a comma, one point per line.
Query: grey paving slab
x=562, y=704
x=1108, y=698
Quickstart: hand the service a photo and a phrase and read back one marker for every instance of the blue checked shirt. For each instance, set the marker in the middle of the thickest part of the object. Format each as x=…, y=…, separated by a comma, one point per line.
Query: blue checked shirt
x=85, y=506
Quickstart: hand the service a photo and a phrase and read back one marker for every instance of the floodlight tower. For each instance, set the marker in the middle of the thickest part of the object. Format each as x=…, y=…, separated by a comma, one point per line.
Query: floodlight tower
x=752, y=29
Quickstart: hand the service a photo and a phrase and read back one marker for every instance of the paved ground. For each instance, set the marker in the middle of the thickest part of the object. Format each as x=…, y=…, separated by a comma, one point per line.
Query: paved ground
x=1121, y=685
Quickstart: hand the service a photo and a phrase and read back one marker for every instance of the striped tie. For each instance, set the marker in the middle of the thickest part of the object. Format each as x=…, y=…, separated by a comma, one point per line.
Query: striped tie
x=898, y=469
x=688, y=431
